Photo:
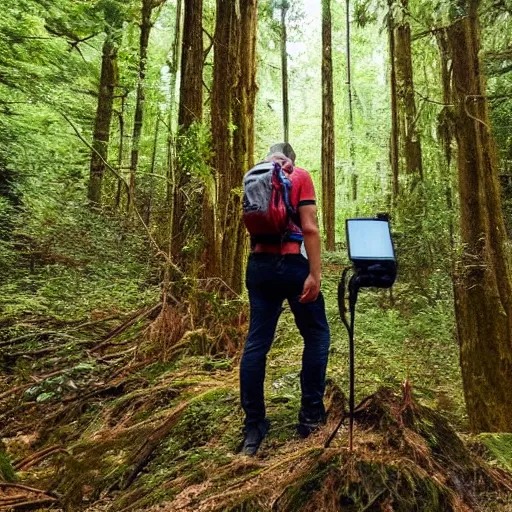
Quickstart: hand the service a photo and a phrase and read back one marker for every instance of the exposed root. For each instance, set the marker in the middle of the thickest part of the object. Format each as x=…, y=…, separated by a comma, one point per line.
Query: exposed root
x=31, y=499
x=37, y=457
x=166, y=331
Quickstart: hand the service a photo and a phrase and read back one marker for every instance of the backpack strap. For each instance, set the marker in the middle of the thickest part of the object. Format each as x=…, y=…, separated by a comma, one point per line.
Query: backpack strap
x=293, y=215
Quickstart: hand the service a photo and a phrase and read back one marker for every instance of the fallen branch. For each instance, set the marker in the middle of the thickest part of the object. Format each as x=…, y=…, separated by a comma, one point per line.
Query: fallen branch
x=12, y=499
x=37, y=457
x=22, y=487
x=30, y=505
x=33, y=353
x=139, y=315
x=28, y=336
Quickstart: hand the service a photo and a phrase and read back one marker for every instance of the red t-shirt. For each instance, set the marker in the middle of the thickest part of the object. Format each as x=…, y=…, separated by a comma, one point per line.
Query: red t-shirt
x=302, y=194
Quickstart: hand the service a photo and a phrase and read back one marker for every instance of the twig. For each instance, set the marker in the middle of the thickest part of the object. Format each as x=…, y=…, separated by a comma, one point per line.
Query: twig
x=474, y=97
x=139, y=315
x=424, y=98
x=37, y=457
x=26, y=386
x=117, y=354
x=19, y=339
x=33, y=353
x=23, y=487
x=30, y=505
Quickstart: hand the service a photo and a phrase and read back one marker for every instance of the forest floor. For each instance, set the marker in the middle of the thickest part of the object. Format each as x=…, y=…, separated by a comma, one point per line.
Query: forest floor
x=128, y=411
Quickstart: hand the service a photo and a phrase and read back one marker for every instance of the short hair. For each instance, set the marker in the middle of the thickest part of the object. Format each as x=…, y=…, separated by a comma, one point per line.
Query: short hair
x=285, y=148
x=285, y=162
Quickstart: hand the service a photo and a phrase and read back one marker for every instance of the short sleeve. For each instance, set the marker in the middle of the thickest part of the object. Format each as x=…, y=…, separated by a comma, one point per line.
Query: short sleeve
x=306, y=190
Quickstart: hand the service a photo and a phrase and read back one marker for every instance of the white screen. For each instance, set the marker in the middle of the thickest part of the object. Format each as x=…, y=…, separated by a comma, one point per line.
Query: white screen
x=369, y=239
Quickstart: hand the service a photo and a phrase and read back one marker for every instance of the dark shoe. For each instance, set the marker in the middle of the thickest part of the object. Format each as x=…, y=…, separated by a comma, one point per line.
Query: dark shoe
x=253, y=438
x=308, y=425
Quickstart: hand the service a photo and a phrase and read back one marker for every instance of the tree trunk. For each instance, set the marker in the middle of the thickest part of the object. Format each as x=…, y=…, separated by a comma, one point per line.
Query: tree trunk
x=149, y=200
x=393, y=143
x=145, y=30
x=410, y=146
x=191, y=107
x=328, y=178
x=101, y=137
x=223, y=82
x=233, y=101
x=173, y=64
x=445, y=124
x=191, y=87
x=120, y=155
x=353, y=171
x=244, y=102
x=284, y=71
x=483, y=288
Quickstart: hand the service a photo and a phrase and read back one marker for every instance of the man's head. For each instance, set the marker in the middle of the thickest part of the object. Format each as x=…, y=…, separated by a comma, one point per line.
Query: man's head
x=285, y=148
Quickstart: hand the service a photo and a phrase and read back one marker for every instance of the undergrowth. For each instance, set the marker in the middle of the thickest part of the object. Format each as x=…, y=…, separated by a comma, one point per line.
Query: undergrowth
x=117, y=396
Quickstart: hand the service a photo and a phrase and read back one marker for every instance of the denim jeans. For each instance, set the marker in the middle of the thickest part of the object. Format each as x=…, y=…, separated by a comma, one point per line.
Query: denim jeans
x=270, y=280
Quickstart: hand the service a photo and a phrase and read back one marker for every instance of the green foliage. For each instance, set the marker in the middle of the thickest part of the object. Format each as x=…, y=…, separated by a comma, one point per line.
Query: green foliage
x=73, y=262
x=499, y=447
x=6, y=471
x=195, y=151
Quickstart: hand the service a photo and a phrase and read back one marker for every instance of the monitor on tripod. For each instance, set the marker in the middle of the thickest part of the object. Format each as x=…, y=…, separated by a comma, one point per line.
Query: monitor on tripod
x=371, y=252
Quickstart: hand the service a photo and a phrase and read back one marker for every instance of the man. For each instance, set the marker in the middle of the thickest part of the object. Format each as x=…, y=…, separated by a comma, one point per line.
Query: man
x=276, y=272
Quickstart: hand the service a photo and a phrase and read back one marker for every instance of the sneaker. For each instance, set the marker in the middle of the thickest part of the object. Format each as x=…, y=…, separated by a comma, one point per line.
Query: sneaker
x=308, y=425
x=253, y=438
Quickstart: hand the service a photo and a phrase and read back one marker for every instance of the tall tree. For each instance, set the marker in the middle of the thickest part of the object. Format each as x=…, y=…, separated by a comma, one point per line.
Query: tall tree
x=173, y=63
x=403, y=100
x=106, y=92
x=190, y=108
x=394, y=140
x=233, y=102
x=223, y=80
x=244, y=103
x=285, y=5
x=146, y=25
x=353, y=172
x=328, y=152
x=483, y=290
x=445, y=123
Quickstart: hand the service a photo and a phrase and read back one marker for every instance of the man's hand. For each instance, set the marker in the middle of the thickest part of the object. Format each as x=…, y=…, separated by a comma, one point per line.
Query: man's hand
x=311, y=289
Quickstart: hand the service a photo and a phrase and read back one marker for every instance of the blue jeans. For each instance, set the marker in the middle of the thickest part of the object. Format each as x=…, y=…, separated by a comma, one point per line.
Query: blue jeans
x=271, y=279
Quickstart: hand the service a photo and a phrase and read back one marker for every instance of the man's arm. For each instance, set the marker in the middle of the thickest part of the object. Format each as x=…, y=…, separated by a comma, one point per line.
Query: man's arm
x=312, y=242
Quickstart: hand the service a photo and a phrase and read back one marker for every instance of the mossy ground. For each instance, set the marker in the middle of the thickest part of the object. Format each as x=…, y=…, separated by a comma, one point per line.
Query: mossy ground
x=140, y=430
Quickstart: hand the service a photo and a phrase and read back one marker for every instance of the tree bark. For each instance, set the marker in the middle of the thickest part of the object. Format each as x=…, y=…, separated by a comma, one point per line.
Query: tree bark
x=190, y=109
x=328, y=152
x=120, y=155
x=173, y=64
x=149, y=199
x=244, y=102
x=483, y=286
x=191, y=86
x=393, y=143
x=284, y=71
x=221, y=106
x=405, y=146
x=101, y=137
x=233, y=101
x=445, y=125
x=145, y=30
x=410, y=146
x=353, y=171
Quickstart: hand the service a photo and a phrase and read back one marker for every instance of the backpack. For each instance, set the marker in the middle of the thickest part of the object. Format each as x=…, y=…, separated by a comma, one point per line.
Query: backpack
x=267, y=211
